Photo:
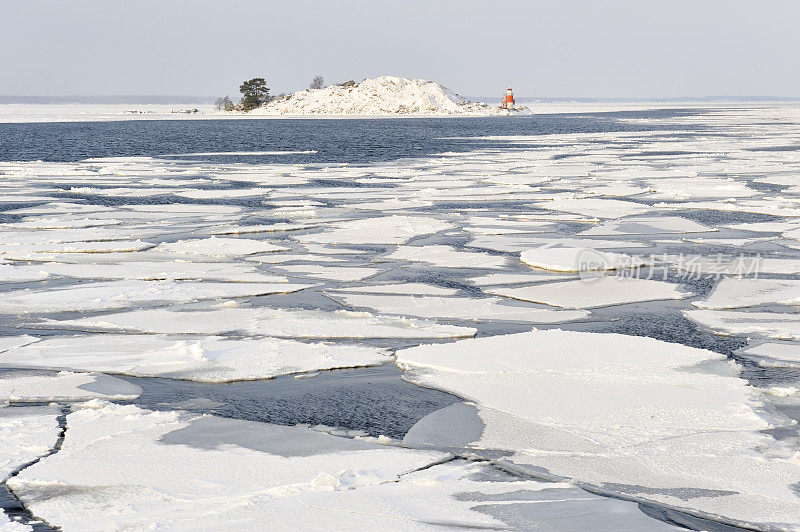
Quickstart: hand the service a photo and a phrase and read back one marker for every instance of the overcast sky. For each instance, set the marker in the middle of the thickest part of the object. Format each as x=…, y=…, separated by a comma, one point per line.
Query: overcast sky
x=585, y=48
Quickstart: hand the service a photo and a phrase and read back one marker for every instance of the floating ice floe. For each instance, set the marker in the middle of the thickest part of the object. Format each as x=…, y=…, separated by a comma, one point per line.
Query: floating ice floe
x=416, y=289
x=65, y=386
x=21, y=274
x=767, y=324
x=116, y=246
x=167, y=270
x=219, y=247
x=695, y=187
x=774, y=354
x=494, y=279
x=249, y=229
x=460, y=308
x=333, y=273
x=121, y=294
x=626, y=415
x=209, y=359
x=740, y=293
x=447, y=257
x=382, y=230
x=731, y=265
x=651, y=225
x=516, y=243
x=125, y=467
x=595, y=207
x=593, y=292
x=568, y=259
x=267, y=322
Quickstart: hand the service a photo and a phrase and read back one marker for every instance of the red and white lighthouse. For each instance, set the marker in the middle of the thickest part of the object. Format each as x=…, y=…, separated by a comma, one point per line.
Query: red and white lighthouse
x=507, y=101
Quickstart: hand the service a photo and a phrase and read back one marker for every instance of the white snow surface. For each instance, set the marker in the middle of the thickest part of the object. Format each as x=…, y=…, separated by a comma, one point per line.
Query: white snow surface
x=384, y=95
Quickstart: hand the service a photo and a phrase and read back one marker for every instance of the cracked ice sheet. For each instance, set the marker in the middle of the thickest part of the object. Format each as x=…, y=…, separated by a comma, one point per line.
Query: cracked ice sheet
x=65, y=386
x=447, y=257
x=150, y=271
x=122, y=294
x=652, y=225
x=219, y=247
x=123, y=467
x=459, y=308
x=594, y=292
x=208, y=359
x=630, y=415
x=381, y=230
x=570, y=260
x=739, y=293
x=265, y=321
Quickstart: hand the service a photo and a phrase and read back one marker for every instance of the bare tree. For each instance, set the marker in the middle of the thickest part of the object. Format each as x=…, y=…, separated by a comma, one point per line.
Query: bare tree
x=317, y=83
x=224, y=104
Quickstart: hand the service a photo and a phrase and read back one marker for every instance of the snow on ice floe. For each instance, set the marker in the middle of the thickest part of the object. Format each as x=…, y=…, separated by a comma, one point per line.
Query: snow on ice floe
x=166, y=270
x=121, y=294
x=459, y=308
x=494, y=279
x=219, y=247
x=774, y=354
x=595, y=207
x=517, y=243
x=569, y=259
x=383, y=230
x=207, y=359
x=265, y=321
x=20, y=274
x=27, y=433
x=680, y=189
x=125, y=467
x=593, y=292
x=333, y=273
x=625, y=414
x=416, y=289
x=65, y=386
x=447, y=257
x=651, y=225
x=740, y=293
x=783, y=326
x=29, y=251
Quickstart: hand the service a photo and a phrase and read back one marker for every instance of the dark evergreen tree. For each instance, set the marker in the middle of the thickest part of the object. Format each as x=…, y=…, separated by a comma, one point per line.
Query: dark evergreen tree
x=255, y=93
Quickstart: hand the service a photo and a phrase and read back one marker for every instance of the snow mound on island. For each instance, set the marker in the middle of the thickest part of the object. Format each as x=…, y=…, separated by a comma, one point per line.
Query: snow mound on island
x=385, y=95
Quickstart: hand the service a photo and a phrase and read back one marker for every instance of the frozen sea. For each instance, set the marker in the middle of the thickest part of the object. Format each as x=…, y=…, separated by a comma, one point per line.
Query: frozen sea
x=586, y=319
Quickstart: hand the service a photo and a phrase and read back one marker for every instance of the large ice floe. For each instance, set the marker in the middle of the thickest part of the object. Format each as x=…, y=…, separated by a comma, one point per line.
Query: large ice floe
x=631, y=416
x=385, y=95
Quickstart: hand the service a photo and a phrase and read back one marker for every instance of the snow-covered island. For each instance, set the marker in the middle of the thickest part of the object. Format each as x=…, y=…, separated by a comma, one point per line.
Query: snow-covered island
x=384, y=95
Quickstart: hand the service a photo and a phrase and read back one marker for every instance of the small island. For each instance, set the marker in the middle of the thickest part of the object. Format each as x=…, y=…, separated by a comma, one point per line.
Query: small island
x=381, y=96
